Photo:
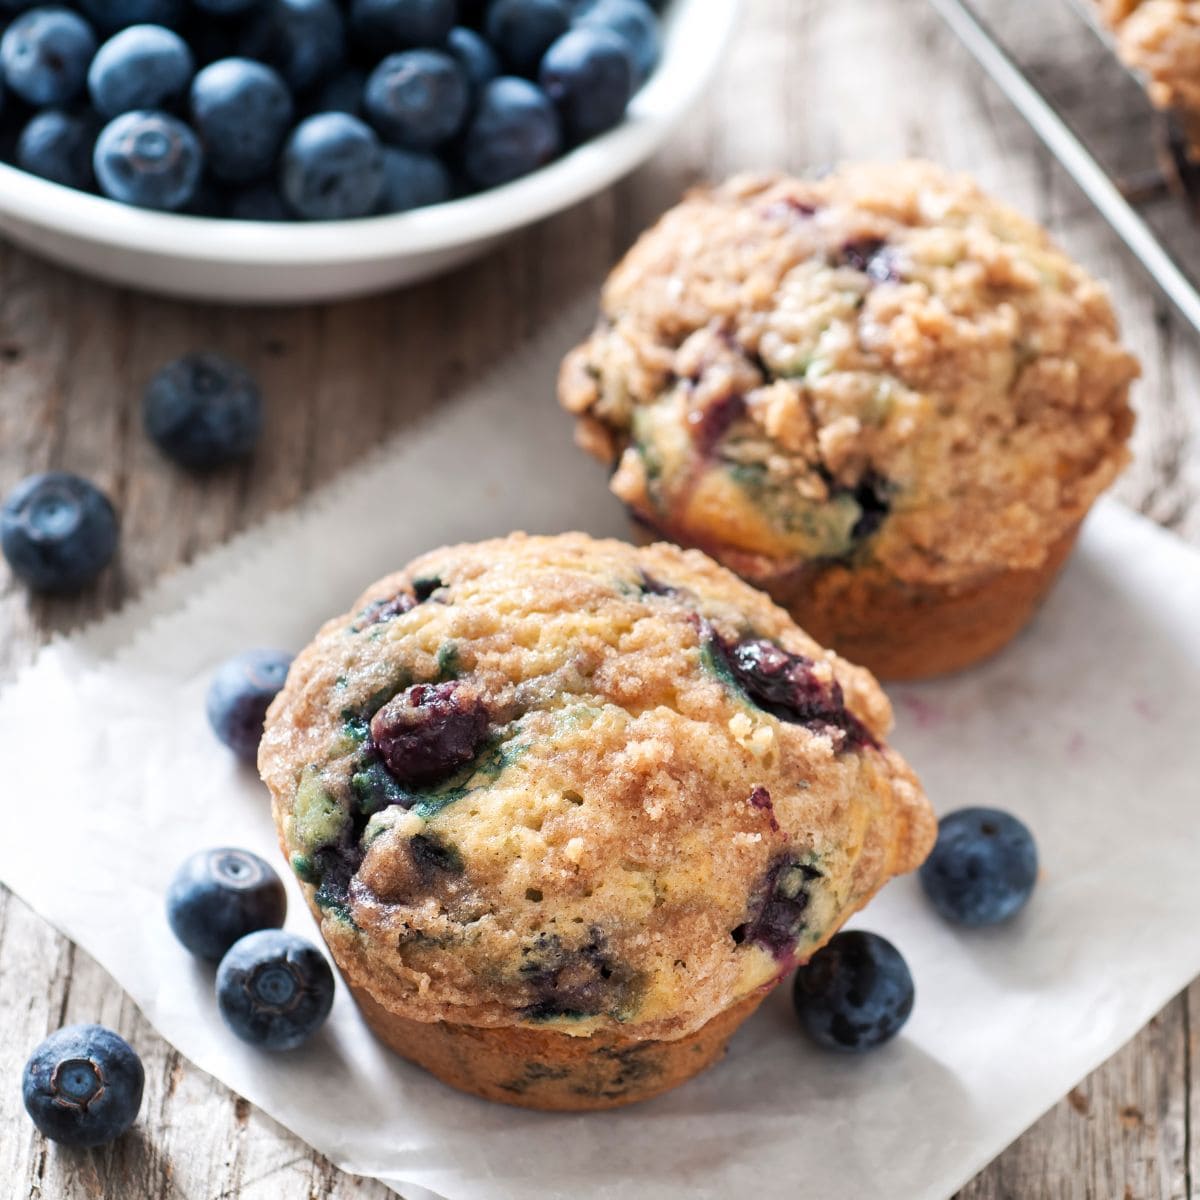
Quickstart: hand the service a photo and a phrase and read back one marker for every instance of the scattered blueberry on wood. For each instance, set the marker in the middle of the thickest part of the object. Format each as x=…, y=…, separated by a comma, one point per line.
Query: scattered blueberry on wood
x=207, y=107
x=203, y=411
x=58, y=531
x=83, y=1086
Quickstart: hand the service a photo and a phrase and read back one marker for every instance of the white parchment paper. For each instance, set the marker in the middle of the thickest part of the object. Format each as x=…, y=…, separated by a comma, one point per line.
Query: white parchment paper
x=1086, y=727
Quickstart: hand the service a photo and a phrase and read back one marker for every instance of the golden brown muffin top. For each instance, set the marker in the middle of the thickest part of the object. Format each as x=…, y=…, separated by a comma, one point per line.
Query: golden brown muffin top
x=883, y=365
x=1161, y=39
x=566, y=782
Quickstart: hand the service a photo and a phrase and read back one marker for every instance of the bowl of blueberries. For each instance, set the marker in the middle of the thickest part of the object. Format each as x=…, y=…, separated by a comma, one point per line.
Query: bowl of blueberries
x=285, y=151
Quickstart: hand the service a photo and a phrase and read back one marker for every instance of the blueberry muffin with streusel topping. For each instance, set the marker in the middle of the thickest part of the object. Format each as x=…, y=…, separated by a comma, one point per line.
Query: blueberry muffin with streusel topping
x=880, y=395
x=566, y=810
x=1161, y=40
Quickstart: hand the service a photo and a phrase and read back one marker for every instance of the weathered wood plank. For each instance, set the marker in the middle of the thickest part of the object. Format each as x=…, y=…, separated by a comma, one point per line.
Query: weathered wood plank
x=809, y=82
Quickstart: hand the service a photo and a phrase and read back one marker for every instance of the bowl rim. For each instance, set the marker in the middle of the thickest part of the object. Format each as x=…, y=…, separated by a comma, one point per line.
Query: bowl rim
x=695, y=33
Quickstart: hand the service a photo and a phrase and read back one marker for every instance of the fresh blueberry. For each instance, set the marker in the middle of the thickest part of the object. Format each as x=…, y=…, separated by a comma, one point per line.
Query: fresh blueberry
x=203, y=410
x=58, y=531
x=429, y=731
x=477, y=59
x=417, y=98
x=58, y=145
x=144, y=66
x=83, y=1086
x=514, y=131
x=148, y=159
x=522, y=30
x=239, y=695
x=634, y=21
x=343, y=93
x=274, y=989
x=983, y=867
x=386, y=25
x=259, y=202
x=45, y=54
x=855, y=994
x=241, y=111
x=218, y=896
x=332, y=168
x=588, y=73
x=111, y=15
x=413, y=180
x=304, y=40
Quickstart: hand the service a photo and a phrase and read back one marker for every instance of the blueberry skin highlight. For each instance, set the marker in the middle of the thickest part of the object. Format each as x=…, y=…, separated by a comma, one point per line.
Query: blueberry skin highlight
x=983, y=867
x=588, y=74
x=148, y=159
x=634, y=21
x=332, y=168
x=417, y=99
x=515, y=130
x=242, y=111
x=57, y=531
x=58, y=145
x=45, y=54
x=218, y=896
x=83, y=1086
x=144, y=66
x=203, y=410
x=239, y=695
x=274, y=989
x=476, y=57
x=854, y=994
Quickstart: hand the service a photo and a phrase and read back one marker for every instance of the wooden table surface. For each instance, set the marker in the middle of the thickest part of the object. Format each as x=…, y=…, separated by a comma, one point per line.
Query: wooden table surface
x=807, y=82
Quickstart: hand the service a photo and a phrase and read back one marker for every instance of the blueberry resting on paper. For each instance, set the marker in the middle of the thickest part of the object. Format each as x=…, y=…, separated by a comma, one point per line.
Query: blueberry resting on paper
x=274, y=989
x=239, y=695
x=854, y=994
x=218, y=896
x=983, y=867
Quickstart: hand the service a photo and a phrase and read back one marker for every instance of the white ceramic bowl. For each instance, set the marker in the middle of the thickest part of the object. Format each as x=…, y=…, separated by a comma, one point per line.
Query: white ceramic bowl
x=244, y=262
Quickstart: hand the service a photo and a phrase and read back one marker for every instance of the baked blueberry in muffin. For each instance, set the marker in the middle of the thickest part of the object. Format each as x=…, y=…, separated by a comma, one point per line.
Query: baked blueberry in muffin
x=563, y=805
x=882, y=396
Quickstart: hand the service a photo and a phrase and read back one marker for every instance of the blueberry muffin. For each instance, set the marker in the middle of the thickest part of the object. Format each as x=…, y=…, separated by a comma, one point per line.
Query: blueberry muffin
x=1160, y=39
x=566, y=809
x=880, y=395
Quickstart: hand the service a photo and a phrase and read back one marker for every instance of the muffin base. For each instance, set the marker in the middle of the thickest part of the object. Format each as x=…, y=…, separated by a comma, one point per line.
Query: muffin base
x=899, y=630
x=544, y=1069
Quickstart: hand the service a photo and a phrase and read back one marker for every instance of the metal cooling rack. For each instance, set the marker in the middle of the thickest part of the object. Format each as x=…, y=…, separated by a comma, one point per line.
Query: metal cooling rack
x=1055, y=64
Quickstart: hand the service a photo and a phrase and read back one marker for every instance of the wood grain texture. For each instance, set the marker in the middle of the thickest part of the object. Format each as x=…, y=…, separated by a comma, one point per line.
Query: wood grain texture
x=809, y=81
